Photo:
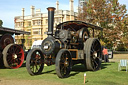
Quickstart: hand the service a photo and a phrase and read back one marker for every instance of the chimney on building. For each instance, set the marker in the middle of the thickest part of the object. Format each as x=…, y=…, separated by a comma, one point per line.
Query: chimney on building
x=57, y=5
x=71, y=8
x=23, y=11
x=71, y=5
x=32, y=10
x=38, y=11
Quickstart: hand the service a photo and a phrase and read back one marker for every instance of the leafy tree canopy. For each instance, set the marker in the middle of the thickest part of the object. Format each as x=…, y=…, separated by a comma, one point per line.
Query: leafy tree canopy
x=110, y=15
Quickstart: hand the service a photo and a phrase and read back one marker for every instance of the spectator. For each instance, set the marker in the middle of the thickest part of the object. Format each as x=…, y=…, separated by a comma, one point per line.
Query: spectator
x=105, y=53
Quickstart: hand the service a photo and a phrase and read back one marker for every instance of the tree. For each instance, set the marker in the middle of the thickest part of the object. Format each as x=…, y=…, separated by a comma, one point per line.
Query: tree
x=1, y=23
x=119, y=24
x=108, y=14
x=124, y=30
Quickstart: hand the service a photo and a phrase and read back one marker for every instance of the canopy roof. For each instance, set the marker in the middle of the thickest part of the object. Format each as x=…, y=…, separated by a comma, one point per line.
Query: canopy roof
x=4, y=30
x=76, y=25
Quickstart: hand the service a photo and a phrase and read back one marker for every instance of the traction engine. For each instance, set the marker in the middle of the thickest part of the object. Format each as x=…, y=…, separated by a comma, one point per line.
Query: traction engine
x=70, y=44
x=11, y=55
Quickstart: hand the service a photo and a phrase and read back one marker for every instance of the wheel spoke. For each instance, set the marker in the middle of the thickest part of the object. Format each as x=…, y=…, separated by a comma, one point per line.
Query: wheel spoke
x=36, y=60
x=63, y=65
x=62, y=62
x=92, y=55
x=33, y=68
x=92, y=49
x=12, y=58
x=95, y=46
x=95, y=63
x=62, y=68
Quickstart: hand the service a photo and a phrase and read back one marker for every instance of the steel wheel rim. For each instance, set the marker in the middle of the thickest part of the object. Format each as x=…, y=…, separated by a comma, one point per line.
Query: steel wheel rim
x=63, y=67
x=35, y=62
x=13, y=56
x=93, y=54
x=6, y=39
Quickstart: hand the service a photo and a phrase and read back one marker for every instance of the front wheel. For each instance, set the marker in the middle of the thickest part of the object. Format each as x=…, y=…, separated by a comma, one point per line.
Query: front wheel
x=35, y=61
x=63, y=63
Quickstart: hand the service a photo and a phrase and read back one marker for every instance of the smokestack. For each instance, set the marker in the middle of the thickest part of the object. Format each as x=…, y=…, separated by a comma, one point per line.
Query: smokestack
x=50, y=20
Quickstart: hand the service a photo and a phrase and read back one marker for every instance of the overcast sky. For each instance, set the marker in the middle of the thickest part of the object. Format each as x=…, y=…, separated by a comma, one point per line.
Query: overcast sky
x=11, y=8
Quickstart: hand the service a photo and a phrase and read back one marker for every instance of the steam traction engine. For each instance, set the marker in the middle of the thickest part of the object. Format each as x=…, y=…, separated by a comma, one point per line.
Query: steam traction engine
x=11, y=55
x=68, y=45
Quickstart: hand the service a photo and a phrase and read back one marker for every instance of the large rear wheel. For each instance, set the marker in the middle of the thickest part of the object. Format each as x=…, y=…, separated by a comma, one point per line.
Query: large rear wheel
x=5, y=40
x=35, y=61
x=92, y=50
x=63, y=63
x=13, y=56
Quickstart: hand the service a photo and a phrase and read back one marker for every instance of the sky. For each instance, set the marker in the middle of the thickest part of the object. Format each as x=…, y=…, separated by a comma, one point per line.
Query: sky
x=11, y=8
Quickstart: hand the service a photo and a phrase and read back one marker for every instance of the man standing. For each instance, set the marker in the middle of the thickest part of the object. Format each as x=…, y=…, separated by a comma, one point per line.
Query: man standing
x=105, y=53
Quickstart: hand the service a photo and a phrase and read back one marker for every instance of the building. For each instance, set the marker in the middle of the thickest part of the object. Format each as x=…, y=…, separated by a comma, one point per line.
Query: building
x=82, y=3
x=37, y=23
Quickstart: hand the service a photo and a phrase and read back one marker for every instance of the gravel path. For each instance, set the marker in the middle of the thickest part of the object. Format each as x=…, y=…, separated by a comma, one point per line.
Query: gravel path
x=118, y=57
x=26, y=82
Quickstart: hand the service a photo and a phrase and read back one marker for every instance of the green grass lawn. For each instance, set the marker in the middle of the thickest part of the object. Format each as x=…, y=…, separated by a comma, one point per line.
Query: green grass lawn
x=108, y=75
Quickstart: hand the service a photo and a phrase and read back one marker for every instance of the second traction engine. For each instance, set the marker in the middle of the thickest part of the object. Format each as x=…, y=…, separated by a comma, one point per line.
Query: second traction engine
x=69, y=44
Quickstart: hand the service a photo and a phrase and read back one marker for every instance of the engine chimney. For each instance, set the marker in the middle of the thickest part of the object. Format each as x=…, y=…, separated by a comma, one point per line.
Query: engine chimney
x=50, y=20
